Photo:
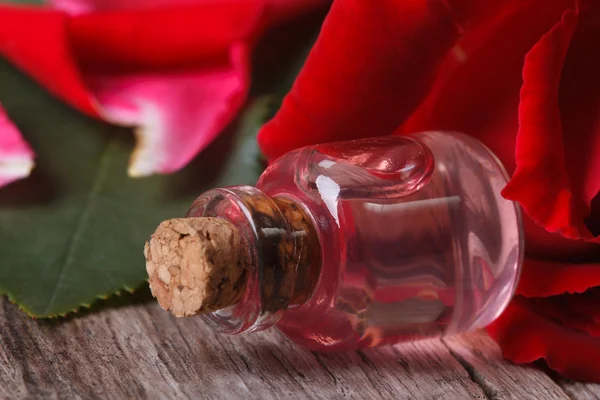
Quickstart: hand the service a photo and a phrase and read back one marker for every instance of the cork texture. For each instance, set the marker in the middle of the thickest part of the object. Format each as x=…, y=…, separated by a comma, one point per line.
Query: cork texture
x=196, y=265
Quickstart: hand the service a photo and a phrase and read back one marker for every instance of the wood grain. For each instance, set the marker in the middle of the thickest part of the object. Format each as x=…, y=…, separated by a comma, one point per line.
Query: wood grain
x=481, y=356
x=580, y=391
x=139, y=351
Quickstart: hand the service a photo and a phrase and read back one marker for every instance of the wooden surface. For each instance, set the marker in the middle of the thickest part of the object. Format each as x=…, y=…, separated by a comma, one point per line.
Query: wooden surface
x=139, y=351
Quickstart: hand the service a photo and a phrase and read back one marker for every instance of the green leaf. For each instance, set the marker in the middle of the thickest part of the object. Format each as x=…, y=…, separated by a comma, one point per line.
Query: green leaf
x=74, y=231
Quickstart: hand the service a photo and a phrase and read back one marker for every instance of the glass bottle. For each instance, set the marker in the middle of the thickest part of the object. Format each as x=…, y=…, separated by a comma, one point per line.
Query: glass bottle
x=373, y=241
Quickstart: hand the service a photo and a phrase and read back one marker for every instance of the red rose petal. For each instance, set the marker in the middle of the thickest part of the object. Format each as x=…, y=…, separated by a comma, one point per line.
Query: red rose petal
x=36, y=41
x=371, y=66
x=541, y=278
x=587, y=303
x=188, y=38
x=541, y=183
x=477, y=88
x=542, y=244
x=587, y=307
x=560, y=309
x=279, y=10
x=580, y=108
x=545, y=321
x=526, y=336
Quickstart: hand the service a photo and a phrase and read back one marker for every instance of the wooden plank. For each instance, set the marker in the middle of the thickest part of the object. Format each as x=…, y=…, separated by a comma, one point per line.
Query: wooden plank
x=580, y=391
x=139, y=351
x=482, y=357
x=424, y=370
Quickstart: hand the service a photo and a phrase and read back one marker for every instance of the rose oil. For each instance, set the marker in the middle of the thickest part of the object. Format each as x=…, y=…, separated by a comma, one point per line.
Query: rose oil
x=372, y=242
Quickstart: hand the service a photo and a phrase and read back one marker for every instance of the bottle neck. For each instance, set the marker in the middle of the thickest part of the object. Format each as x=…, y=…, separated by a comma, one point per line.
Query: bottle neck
x=283, y=249
x=306, y=253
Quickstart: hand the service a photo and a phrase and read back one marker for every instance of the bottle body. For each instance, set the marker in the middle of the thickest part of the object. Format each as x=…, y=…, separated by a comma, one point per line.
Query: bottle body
x=414, y=239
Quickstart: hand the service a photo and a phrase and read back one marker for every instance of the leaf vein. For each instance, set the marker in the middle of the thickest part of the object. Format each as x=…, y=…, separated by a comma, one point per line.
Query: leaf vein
x=99, y=180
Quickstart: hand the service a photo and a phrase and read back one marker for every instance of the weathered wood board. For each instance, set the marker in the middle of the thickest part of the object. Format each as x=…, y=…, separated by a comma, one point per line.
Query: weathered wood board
x=139, y=351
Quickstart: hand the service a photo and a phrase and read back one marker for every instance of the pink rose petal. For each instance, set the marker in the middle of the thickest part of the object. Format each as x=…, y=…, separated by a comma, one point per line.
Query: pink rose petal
x=177, y=114
x=178, y=85
x=16, y=157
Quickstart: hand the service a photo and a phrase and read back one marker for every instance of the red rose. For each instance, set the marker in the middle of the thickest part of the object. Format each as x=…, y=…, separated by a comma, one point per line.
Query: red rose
x=521, y=76
x=177, y=70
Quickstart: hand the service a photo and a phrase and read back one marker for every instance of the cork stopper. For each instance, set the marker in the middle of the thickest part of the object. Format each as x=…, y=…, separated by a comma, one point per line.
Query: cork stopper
x=196, y=265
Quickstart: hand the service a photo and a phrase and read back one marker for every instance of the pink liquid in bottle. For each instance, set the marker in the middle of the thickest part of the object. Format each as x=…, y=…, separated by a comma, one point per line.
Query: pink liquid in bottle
x=414, y=241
